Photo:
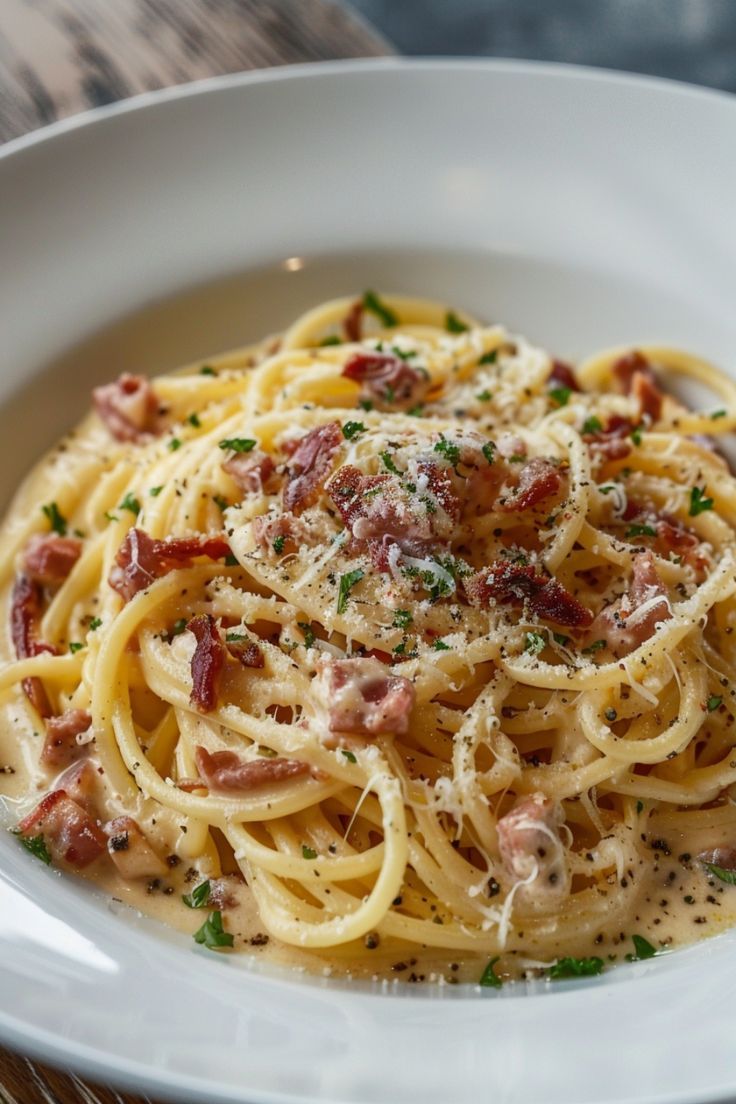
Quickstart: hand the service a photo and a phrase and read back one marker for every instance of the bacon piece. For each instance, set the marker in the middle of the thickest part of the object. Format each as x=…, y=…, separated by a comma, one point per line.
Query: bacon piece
x=633, y=618
x=441, y=486
x=562, y=375
x=225, y=772
x=70, y=833
x=611, y=442
x=207, y=662
x=79, y=781
x=247, y=652
x=362, y=697
x=48, y=558
x=26, y=607
x=387, y=379
x=635, y=376
x=671, y=535
x=60, y=746
x=538, y=479
x=129, y=408
x=353, y=321
x=531, y=848
x=269, y=530
x=724, y=857
x=519, y=584
x=251, y=471
x=310, y=465
x=141, y=559
x=130, y=850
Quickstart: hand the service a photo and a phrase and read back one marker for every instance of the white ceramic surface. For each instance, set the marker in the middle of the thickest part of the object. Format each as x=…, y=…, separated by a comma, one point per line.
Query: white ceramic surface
x=584, y=209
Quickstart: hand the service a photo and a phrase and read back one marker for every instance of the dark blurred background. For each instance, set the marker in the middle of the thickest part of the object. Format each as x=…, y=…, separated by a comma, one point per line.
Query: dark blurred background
x=689, y=40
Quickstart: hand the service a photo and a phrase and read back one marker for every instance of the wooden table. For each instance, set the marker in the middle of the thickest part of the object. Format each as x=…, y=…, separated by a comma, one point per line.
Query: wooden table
x=58, y=57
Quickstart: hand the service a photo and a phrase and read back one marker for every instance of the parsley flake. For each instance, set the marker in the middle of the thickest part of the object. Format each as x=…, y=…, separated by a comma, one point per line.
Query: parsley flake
x=489, y=451
x=727, y=876
x=717, y=414
x=560, y=638
x=714, y=702
x=130, y=502
x=402, y=618
x=641, y=531
x=207, y=370
x=308, y=631
x=199, y=897
x=643, y=949
x=440, y=646
x=636, y=434
x=278, y=544
x=178, y=627
x=174, y=444
x=489, y=979
x=592, y=425
x=212, y=933
x=154, y=492
x=698, y=502
x=193, y=420
x=56, y=519
x=220, y=501
x=576, y=967
x=389, y=463
x=534, y=643
x=75, y=646
x=450, y=451
x=561, y=395
x=308, y=852
x=348, y=755
x=489, y=358
x=453, y=324
x=331, y=339
x=238, y=444
x=383, y=313
x=352, y=429
x=594, y=647
x=95, y=623
x=484, y=396
x=37, y=846
x=347, y=582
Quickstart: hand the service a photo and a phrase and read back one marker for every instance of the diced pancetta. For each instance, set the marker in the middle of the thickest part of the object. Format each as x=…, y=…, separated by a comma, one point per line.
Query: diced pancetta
x=536, y=481
x=279, y=534
x=361, y=696
x=353, y=321
x=48, y=558
x=141, y=559
x=80, y=782
x=247, y=652
x=310, y=465
x=612, y=442
x=225, y=772
x=563, y=375
x=671, y=539
x=26, y=608
x=386, y=380
x=207, y=661
x=633, y=618
x=635, y=377
x=129, y=408
x=70, y=833
x=514, y=584
x=532, y=852
x=61, y=746
x=130, y=850
x=250, y=470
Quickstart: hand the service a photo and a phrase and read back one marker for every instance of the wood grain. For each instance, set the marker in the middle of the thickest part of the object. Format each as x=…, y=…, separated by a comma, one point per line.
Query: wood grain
x=59, y=57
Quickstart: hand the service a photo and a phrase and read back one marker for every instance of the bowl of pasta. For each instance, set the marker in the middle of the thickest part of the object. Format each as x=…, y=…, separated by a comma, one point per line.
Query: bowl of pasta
x=369, y=583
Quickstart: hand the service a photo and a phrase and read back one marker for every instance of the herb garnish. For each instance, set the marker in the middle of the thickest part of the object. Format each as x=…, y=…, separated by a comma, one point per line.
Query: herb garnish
x=698, y=502
x=331, y=339
x=57, y=520
x=534, y=643
x=440, y=646
x=207, y=370
x=489, y=358
x=641, y=531
x=174, y=444
x=95, y=623
x=592, y=425
x=643, y=949
x=75, y=646
x=453, y=324
x=238, y=444
x=717, y=414
x=308, y=852
x=212, y=933
x=402, y=618
x=37, y=846
x=278, y=544
x=220, y=501
x=576, y=967
x=484, y=396
x=352, y=429
x=489, y=451
x=199, y=897
x=347, y=582
x=154, y=492
x=308, y=631
x=594, y=647
x=488, y=978
x=561, y=395
x=389, y=463
x=449, y=450
x=178, y=627
x=130, y=502
x=348, y=755
x=193, y=420
x=727, y=876
x=384, y=314
x=560, y=638
x=636, y=434
x=714, y=702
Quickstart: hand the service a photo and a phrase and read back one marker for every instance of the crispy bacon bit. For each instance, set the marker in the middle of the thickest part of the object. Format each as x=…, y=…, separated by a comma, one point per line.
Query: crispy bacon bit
x=386, y=379
x=225, y=772
x=79, y=781
x=441, y=486
x=279, y=535
x=61, y=746
x=70, y=833
x=131, y=852
x=562, y=375
x=247, y=652
x=611, y=442
x=26, y=607
x=48, y=558
x=362, y=697
x=353, y=321
x=633, y=618
x=128, y=407
x=141, y=559
x=724, y=857
x=538, y=479
x=672, y=538
x=635, y=376
x=251, y=471
x=207, y=661
x=531, y=849
x=310, y=465
x=519, y=584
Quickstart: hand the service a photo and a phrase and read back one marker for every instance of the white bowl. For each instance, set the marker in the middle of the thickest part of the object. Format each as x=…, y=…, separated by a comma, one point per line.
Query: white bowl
x=583, y=209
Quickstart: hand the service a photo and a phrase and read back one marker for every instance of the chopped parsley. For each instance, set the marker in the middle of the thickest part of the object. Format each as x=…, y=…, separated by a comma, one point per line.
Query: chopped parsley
x=174, y=444
x=347, y=582
x=278, y=544
x=517, y=458
x=727, y=876
x=308, y=852
x=560, y=638
x=576, y=967
x=37, y=846
x=440, y=646
x=534, y=643
x=231, y=561
x=636, y=435
x=643, y=949
x=402, y=618
x=111, y=517
x=220, y=501
x=308, y=631
x=75, y=646
x=489, y=358
x=234, y=637
x=348, y=755
x=416, y=411
x=488, y=979
x=484, y=396
x=207, y=370
x=489, y=451
x=594, y=647
x=178, y=627
x=331, y=339
x=130, y=502
x=238, y=444
x=56, y=519
x=714, y=702
x=592, y=425
x=561, y=395
x=384, y=314
x=352, y=429
x=154, y=492
x=193, y=420
x=95, y=623
x=212, y=933
x=365, y=404
x=453, y=324
x=199, y=897
x=717, y=414
x=449, y=450
x=698, y=502
x=641, y=531
x=388, y=463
